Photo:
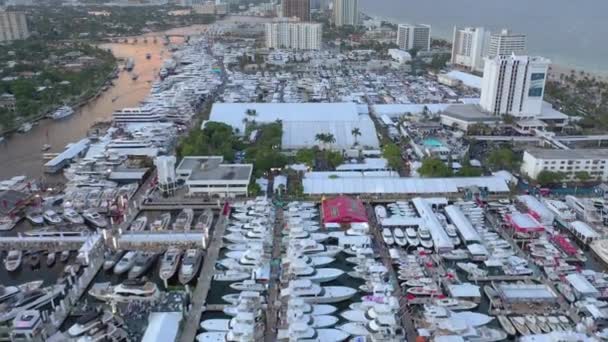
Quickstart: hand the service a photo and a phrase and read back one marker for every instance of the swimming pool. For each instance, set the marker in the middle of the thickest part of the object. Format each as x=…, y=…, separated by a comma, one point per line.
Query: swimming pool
x=432, y=142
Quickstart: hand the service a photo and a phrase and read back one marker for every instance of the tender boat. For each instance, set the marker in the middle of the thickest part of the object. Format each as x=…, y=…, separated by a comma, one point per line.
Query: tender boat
x=506, y=325
x=400, y=238
x=13, y=260
x=169, y=263
x=139, y=224
x=126, y=262
x=50, y=259
x=111, y=259
x=95, y=219
x=387, y=236
x=204, y=220
x=412, y=237
x=72, y=216
x=184, y=220
x=190, y=265
x=143, y=262
x=162, y=223
x=130, y=290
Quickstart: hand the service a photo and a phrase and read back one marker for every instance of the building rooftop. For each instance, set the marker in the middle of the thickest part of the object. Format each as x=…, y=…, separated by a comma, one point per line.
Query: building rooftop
x=229, y=172
x=468, y=112
x=467, y=79
x=591, y=153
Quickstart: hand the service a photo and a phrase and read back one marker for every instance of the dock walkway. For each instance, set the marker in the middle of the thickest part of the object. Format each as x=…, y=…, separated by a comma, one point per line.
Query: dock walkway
x=199, y=296
x=273, y=289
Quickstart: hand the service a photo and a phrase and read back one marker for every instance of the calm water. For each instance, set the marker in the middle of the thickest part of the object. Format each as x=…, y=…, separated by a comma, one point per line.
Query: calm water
x=569, y=32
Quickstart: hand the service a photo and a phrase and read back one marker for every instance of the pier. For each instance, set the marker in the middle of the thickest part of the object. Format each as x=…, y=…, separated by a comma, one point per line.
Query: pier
x=274, y=303
x=159, y=241
x=49, y=243
x=199, y=296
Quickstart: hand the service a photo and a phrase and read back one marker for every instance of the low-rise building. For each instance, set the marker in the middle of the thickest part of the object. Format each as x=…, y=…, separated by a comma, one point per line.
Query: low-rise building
x=207, y=175
x=568, y=162
x=463, y=116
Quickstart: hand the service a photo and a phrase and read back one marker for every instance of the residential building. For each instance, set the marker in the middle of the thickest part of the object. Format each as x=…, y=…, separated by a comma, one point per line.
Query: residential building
x=514, y=85
x=414, y=37
x=301, y=36
x=296, y=8
x=207, y=175
x=506, y=43
x=568, y=162
x=346, y=12
x=469, y=45
x=13, y=26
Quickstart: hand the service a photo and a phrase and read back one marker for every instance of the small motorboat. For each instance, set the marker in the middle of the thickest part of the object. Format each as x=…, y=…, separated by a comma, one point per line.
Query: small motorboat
x=169, y=263
x=50, y=259
x=231, y=276
x=13, y=260
x=506, y=325
x=35, y=217
x=52, y=217
x=72, y=216
x=46, y=147
x=139, y=224
x=520, y=325
x=531, y=324
x=204, y=220
x=65, y=255
x=162, y=223
x=184, y=220
x=94, y=218
x=126, y=262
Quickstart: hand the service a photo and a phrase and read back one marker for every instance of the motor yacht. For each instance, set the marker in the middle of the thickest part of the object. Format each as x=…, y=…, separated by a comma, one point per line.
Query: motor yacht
x=451, y=232
x=88, y=322
x=162, y=223
x=520, y=325
x=231, y=276
x=318, y=275
x=111, y=258
x=95, y=219
x=72, y=216
x=143, y=262
x=312, y=248
x=13, y=260
x=320, y=321
x=35, y=218
x=412, y=237
x=313, y=293
x=425, y=237
x=249, y=318
x=169, y=263
x=456, y=254
x=303, y=332
x=245, y=296
x=130, y=290
x=191, y=263
x=314, y=309
x=400, y=238
x=184, y=220
x=62, y=112
x=380, y=212
x=387, y=236
x=506, y=325
x=28, y=298
x=454, y=304
x=204, y=220
x=139, y=224
x=126, y=262
x=248, y=285
x=472, y=269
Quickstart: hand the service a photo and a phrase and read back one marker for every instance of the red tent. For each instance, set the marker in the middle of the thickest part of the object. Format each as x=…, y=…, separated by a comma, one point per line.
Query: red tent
x=343, y=209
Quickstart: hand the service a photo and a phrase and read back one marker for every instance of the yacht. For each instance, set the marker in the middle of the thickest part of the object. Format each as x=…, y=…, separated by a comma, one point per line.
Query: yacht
x=506, y=325
x=72, y=216
x=162, y=223
x=315, y=294
x=400, y=238
x=35, y=218
x=62, y=112
x=248, y=318
x=139, y=224
x=137, y=114
x=143, y=262
x=32, y=297
x=7, y=223
x=126, y=262
x=425, y=237
x=320, y=321
x=300, y=331
x=412, y=237
x=65, y=255
x=169, y=263
x=310, y=247
x=387, y=236
x=94, y=218
x=485, y=334
x=248, y=285
x=111, y=258
x=451, y=231
x=204, y=220
x=50, y=259
x=520, y=325
x=184, y=220
x=129, y=290
x=318, y=275
x=314, y=310
x=472, y=269
x=456, y=254
x=88, y=322
x=13, y=260
x=381, y=213
x=190, y=265
x=231, y=276
x=454, y=304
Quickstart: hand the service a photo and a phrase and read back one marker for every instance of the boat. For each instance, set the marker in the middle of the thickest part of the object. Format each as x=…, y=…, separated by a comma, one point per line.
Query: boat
x=455, y=304
x=25, y=127
x=7, y=223
x=88, y=322
x=130, y=290
x=387, y=236
x=139, y=224
x=190, y=265
x=520, y=325
x=566, y=291
x=542, y=323
x=400, y=238
x=490, y=291
x=315, y=294
x=51, y=217
x=248, y=285
x=143, y=262
x=130, y=64
x=314, y=310
x=485, y=334
x=125, y=263
x=34, y=260
x=231, y=276
x=418, y=282
x=451, y=231
x=553, y=323
x=204, y=220
x=169, y=263
x=65, y=256
x=425, y=237
x=506, y=325
x=472, y=269
x=295, y=316
x=28, y=298
x=184, y=220
x=62, y=112
x=412, y=237
x=456, y=254
x=95, y=219
x=50, y=259
x=248, y=318
x=13, y=260
x=35, y=217
x=45, y=147
x=531, y=324
x=162, y=223
x=424, y=291
x=111, y=259
x=72, y=216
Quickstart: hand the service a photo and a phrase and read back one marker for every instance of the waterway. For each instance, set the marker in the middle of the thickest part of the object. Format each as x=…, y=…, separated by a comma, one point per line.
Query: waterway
x=21, y=154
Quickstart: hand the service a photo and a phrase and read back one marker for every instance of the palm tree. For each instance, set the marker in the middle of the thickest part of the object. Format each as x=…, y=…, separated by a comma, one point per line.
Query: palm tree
x=321, y=138
x=356, y=132
x=325, y=138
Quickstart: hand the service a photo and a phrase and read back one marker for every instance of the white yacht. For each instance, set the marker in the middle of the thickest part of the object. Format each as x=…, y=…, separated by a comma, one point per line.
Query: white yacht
x=13, y=260
x=72, y=216
x=184, y=220
x=190, y=265
x=143, y=262
x=249, y=318
x=137, y=114
x=204, y=220
x=35, y=217
x=312, y=248
x=94, y=218
x=412, y=237
x=51, y=217
x=451, y=231
x=400, y=238
x=303, y=332
x=231, y=276
x=162, y=223
x=425, y=237
x=27, y=298
x=320, y=321
x=314, y=309
x=88, y=322
x=380, y=211
x=126, y=262
x=248, y=285
x=139, y=224
x=129, y=290
x=472, y=269
x=387, y=236
x=318, y=275
x=313, y=293
x=169, y=263
x=62, y=112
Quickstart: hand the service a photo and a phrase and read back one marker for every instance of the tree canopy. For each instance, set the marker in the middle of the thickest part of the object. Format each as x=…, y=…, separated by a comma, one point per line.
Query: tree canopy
x=434, y=167
x=392, y=153
x=545, y=178
x=502, y=159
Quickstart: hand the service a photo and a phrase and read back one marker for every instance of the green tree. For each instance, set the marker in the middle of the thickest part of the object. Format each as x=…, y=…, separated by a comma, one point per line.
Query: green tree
x=392, y=153
x=254, y=189
x=306, y=156
x=334, y=158
x=545, y=178
x=582, y=176
x=434, y=167
x=356, y=132
x=502, y=159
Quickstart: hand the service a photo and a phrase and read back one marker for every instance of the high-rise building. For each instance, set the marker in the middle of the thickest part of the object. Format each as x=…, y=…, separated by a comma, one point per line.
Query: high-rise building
x=13, y=26
x=469, y=45
x=414, y=37
x=506, y=43
x=301, y=36
x=346, y=12
x=514, y=85
x=296, y=8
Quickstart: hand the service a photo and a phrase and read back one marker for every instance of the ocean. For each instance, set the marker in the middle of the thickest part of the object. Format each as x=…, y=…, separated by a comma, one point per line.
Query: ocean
x=570, y=33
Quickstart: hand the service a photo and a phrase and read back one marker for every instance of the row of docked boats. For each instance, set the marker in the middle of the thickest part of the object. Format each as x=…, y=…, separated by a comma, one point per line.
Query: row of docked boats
x=183, y=221
x=137, y=263
x=31, y=295
x=69, y=216
x=15, y=258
